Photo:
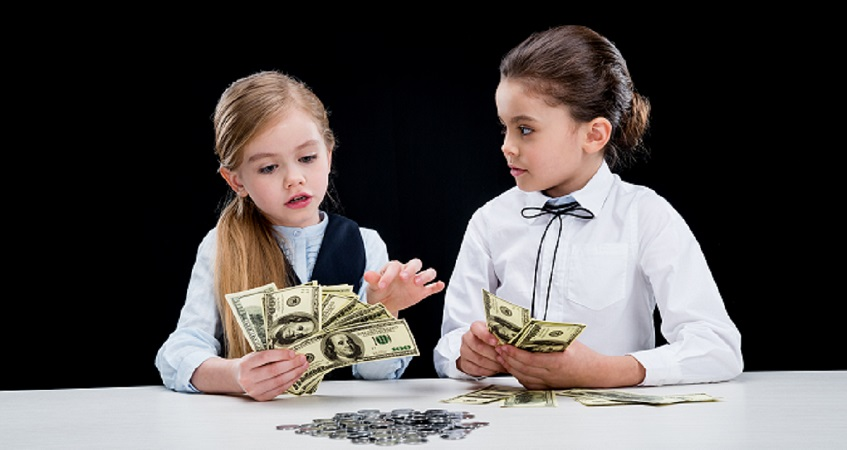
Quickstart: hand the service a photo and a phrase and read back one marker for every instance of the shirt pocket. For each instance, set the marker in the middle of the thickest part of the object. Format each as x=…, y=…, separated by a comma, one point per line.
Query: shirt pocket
x=596, y=274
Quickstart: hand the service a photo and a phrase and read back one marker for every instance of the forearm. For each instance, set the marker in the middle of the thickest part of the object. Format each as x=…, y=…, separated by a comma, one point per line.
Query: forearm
x=615, y=371
x=217, y=376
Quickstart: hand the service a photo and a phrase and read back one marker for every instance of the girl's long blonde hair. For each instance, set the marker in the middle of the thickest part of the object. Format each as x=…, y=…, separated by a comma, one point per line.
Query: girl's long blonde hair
x=248, y=252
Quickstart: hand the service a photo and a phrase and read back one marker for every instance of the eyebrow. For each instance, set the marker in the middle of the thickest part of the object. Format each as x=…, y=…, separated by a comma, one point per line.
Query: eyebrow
x=308, y=143
x=522, y=118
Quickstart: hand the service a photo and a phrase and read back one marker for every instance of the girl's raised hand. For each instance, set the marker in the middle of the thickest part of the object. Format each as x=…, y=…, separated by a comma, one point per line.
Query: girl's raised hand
x=398, y=286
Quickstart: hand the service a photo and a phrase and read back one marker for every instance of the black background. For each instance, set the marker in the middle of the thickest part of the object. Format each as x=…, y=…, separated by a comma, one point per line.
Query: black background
x=114, y=177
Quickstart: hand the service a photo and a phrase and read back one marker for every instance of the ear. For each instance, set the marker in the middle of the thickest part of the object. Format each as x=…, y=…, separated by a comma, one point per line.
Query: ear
x=598, y=133
x=233, y=181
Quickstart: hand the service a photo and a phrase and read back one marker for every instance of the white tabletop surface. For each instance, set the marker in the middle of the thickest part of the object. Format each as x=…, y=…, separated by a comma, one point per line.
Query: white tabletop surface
x=767, y=410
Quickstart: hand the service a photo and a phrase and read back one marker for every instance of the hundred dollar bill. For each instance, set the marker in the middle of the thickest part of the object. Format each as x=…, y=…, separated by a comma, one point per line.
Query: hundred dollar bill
x=512, y=324
x=545, y=337
x=338, y=306
x=595, y=397
x=331, y=349
x=505, y=319
x=343, y=290
x=370, y=313
x=249, y=310
x=531, y=399
x=293, y=313
x=489, y=394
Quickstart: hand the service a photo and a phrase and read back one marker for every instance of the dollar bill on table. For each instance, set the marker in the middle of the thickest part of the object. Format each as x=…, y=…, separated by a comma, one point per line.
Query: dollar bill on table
x=531, y=399
x=604, y=397
x=488, y=394
x=512, y=324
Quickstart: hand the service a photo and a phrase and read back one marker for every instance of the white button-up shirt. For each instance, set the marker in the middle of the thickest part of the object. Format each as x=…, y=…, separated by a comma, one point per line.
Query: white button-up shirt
x=610, y=273
x=198, y=333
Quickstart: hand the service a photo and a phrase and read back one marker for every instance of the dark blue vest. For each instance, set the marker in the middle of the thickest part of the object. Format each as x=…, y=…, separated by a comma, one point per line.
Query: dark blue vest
x=341, y=260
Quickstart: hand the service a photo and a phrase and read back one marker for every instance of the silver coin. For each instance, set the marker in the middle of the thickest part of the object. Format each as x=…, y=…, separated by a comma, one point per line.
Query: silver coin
x=287, y=426
x=454, y=434
x=475, y=424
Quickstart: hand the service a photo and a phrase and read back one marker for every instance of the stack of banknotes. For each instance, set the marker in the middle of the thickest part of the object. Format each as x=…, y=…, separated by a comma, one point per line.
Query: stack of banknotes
x=513, y=325
x=328, y=324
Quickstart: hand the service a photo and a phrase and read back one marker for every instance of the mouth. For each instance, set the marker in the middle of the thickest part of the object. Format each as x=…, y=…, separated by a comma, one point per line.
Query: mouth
x=298, y=199
x=516, y=171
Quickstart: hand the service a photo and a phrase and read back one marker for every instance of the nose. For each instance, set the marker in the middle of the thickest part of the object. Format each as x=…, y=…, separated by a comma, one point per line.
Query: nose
x=294, y=177
x=509, y=150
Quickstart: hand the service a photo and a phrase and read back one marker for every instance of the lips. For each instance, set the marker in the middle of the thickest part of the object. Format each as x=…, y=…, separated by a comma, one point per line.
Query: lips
x=516, y=171
x=299, y=201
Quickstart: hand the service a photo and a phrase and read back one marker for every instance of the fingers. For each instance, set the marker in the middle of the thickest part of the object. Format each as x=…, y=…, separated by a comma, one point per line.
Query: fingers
x=411, y=268
x=267, y=374
x=480, y=330
x=477, y=357
x=388, y=273
x=409, y=271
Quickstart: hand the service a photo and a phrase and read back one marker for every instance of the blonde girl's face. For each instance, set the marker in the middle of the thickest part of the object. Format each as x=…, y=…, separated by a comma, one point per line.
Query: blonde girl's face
x=285, y=170
x=545, y=148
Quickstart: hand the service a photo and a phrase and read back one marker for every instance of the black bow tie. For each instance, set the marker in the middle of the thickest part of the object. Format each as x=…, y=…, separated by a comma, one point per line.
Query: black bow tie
x=569, y=209
x=557, y=211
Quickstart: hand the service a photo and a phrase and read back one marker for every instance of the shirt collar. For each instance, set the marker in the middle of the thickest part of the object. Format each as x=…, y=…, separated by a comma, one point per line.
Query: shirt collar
x=310, y=232
x=591, y=196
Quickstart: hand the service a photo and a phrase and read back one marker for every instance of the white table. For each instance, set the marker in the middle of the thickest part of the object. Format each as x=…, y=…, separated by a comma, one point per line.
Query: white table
x=767, y=410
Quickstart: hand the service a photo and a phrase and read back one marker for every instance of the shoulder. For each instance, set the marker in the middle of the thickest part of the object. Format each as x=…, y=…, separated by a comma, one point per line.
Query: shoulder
x=507, y=202
x=209, y=242
x=653, y=213
x=371, y=237
x=644, y=199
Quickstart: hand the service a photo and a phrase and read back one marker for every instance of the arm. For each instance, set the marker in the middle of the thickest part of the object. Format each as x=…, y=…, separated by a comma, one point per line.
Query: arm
x=396, y=294
x=704, y=345
x=465, y=349
x=190, y=361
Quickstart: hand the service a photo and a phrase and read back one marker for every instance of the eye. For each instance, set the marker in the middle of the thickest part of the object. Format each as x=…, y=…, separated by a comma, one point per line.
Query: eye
x=308, y=159
x=525, y=130
x=268, y=169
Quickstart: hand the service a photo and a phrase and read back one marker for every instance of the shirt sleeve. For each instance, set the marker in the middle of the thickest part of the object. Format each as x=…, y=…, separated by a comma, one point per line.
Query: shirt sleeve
x=704, y=345
x=198, y=331
x=376, y=255
x=473, y=270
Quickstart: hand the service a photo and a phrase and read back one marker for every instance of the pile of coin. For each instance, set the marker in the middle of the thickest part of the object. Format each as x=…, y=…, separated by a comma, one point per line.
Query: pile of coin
x=399, y=426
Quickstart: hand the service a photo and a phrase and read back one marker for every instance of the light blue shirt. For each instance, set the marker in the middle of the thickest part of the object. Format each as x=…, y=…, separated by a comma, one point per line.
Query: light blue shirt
x=199, y=331
x=610, y=273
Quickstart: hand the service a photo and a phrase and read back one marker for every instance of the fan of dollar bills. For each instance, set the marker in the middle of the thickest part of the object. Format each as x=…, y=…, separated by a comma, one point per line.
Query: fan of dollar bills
x=328, y=324
x=513, y=325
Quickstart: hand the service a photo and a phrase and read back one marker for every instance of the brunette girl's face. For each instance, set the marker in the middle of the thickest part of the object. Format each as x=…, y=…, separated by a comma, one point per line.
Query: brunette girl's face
x=285, y=170
x=543, y=145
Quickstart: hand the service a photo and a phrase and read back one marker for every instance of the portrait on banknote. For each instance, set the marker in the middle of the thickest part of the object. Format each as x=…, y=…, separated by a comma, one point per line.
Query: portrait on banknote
x=291, y=327
x=342, y=346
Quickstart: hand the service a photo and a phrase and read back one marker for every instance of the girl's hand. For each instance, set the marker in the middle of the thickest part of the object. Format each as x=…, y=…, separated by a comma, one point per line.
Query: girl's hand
x=399, y=286
x=577, y=366
x=266, y=374
x=478, y=354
